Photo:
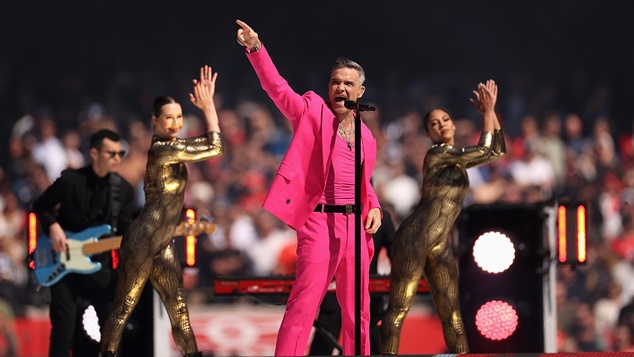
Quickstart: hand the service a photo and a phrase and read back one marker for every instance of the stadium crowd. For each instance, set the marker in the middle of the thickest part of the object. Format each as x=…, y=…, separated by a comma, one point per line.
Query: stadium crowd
x=556, y=150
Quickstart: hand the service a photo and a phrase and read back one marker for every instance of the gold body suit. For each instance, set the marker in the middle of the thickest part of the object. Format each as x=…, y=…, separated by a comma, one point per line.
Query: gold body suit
x=421, y=243
x=147, y=250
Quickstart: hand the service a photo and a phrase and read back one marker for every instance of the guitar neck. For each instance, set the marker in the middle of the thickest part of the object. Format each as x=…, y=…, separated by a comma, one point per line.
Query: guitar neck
x=106, y=244
x=102, y=245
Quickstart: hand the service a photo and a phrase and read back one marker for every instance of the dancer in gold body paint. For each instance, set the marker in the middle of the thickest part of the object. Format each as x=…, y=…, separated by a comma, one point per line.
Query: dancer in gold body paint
x=147, y=250
x=421, y=244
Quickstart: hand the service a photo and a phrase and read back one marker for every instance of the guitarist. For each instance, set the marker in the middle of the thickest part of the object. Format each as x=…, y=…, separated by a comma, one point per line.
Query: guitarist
x=77, y=200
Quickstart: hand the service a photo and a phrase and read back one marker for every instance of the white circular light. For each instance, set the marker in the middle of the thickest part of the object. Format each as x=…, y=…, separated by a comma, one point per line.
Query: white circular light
x=493, y=252
x=91, y=323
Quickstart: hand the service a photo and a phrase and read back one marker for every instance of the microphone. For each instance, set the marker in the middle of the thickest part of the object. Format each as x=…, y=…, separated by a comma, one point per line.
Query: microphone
x=351, y=104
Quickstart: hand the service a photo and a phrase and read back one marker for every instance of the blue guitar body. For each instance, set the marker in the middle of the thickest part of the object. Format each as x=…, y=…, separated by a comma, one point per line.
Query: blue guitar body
x=51, y=266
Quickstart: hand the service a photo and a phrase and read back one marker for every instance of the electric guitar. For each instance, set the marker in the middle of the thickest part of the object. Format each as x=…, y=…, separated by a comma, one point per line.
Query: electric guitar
x=51, y=266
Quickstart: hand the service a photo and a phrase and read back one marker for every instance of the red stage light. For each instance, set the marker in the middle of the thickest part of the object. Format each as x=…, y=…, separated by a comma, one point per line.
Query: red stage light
x=562, y=234
x=571, y=233
x=190, y=241
x=32, y=236
x=496, y=320
x=581, y=234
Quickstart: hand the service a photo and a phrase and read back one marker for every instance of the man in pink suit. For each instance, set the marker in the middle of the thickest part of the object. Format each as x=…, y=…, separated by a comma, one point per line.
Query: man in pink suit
x=313, y=192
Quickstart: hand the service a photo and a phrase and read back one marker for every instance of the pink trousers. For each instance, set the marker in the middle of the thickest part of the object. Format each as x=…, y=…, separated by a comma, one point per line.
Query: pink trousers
x=325, y=248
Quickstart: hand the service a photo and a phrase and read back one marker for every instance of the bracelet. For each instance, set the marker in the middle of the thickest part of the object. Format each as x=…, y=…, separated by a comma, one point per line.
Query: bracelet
x=254, y=49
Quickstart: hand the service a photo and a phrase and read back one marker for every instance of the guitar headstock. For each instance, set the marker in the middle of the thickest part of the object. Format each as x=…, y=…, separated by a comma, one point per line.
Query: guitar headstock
x=194, y=228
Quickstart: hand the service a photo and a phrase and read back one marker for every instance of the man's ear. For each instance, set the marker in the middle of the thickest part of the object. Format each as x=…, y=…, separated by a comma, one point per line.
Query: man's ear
x=94, y=154
x=361, y=91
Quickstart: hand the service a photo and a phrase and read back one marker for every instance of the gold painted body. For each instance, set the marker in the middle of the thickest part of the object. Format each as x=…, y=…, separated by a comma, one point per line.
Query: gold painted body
x=421, y=244
x=147, y=250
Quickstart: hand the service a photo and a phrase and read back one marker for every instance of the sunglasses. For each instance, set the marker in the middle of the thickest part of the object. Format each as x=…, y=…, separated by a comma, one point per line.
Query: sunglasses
x=112, y=154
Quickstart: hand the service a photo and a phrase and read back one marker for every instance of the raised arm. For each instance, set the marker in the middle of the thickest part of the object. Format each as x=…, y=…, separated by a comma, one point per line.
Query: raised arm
x=491, y=144
x=291, y=104
x=486, y=97
x=203, y=97
x=200, y=147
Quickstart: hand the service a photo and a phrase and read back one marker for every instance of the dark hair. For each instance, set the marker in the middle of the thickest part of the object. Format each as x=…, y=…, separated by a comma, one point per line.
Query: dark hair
x=96, y=139
x=159, y=102
x=428, y=114
x=343, y=62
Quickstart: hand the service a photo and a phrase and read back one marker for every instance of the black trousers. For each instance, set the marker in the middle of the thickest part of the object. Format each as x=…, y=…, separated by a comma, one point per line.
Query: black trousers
x=69, y=299
x=329, y=321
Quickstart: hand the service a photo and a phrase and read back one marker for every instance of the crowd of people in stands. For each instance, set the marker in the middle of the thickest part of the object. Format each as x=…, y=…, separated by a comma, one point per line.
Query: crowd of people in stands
x=554, y=152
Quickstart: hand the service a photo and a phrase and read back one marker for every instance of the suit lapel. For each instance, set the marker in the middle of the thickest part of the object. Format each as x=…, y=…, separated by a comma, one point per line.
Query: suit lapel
x=328, y=136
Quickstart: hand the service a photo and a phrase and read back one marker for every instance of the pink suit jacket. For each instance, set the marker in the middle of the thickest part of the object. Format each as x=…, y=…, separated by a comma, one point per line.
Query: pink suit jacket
x=301, y=177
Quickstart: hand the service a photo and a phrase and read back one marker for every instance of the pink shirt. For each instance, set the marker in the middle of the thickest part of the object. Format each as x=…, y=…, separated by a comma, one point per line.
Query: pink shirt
x=339, y=188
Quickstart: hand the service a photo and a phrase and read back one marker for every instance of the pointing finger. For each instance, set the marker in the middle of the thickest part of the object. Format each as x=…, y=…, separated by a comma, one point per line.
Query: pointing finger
x=243, y=25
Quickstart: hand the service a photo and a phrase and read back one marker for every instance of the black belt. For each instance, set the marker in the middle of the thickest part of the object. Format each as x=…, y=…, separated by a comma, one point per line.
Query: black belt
x=347, y=209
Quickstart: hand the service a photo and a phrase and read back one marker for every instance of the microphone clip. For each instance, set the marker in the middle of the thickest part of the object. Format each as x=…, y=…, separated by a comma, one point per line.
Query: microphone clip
x=352, y=105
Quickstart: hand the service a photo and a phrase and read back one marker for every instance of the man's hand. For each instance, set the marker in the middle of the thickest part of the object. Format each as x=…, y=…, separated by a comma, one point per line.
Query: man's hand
x=58, y=238
x=373, y=222
x=247, y=37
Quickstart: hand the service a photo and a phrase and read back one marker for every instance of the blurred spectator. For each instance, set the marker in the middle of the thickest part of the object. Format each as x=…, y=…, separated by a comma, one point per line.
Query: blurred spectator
x=8, y=340
x=272, y=238
x=605, y=150
x=573, y=134
x=606, y=311
x=533, y=170
x=132, y=167
x=624, y=339
x=610, y=206
x=623, y=245
x=49, y=150
x=551, y=145
x=626, y=146
x=71, y=142
x=401, y=191
x=584, y=331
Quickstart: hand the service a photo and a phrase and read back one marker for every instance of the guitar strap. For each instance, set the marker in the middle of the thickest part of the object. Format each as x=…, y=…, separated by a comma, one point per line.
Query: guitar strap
x=115, y=202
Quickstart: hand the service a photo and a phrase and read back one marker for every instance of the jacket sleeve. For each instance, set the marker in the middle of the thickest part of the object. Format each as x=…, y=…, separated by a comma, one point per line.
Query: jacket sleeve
x=490, y=147
x=188, y=150
x=291, y=104
x=373, y=200
x=44, y=206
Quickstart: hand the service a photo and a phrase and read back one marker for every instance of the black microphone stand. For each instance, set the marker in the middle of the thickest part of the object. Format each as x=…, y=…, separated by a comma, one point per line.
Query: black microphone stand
x=357, y=230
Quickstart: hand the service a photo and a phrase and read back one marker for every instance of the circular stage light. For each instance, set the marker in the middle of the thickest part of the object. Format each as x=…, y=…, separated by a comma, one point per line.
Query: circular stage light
x=496, y=320
x=493, y=252
x=91, y=323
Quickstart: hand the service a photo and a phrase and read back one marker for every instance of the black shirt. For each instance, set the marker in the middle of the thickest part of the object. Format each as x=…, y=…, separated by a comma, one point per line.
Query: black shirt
x=79, y=199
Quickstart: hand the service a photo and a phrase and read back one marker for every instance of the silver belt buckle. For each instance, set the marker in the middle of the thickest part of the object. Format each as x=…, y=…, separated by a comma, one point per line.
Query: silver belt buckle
x=349, y=209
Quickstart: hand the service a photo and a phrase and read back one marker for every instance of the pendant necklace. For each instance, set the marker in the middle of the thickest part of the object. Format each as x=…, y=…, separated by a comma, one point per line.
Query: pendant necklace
x=347, y=136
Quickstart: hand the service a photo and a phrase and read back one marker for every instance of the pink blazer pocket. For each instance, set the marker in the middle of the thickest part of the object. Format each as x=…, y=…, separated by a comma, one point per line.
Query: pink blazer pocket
x=286, y=171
